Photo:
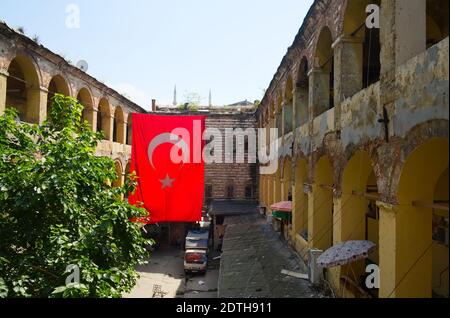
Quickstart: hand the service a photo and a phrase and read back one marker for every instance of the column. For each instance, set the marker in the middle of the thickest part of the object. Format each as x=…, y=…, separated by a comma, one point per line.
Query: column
x=319, y=87
x=108, y=127
x=348, y=70
x=122, y=131
x=36, y=105
x=402, y=31
x=301, y=97
x=320, y=220
x=3, y=88
x=387, y=250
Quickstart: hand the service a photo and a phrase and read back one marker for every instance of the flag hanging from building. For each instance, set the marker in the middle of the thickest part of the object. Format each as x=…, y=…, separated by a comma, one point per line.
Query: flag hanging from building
x=167, y=158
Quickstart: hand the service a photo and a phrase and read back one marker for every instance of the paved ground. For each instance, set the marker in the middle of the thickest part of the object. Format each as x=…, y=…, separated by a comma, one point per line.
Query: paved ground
x=166, y=269
x=252, y=260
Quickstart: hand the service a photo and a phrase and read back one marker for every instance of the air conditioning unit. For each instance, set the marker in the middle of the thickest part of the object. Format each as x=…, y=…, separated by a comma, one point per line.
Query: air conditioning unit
x=314, y=271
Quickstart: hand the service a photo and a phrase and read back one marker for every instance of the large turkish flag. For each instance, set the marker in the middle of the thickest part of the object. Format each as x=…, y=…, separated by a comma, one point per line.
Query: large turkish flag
x=167, y=158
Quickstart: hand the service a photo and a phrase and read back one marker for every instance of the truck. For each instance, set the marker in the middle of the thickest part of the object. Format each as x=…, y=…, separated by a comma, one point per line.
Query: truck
x=196, y=251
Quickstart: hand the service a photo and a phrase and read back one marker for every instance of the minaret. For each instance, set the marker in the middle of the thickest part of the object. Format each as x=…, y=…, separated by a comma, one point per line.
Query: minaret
x=210, y=99
x=175, y=96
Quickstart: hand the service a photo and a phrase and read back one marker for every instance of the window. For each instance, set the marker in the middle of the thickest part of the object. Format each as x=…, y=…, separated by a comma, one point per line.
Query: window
x=230, y=192
x=208, y=191
x=248, y=192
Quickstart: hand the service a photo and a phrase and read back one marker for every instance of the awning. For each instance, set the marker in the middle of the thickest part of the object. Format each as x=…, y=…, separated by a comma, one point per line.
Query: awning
x=282, y=215
x=285, y=206
x=282, y=210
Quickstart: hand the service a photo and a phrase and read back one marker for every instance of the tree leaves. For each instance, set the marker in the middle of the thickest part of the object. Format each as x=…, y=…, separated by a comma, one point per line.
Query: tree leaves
x=57, y=209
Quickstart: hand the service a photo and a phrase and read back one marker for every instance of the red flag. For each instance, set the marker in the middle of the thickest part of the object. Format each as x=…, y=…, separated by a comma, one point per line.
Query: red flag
x=167, y=159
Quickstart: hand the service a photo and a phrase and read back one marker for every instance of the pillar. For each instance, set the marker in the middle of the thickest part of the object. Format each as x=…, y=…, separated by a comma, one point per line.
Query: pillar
x=287, y=119
x=403, y=31
x=121, y=131
x=91, y=118
x=3, y=88
x=108, y=127
x=319, y=87
x=320, y=220
x=348, y=70
x=36, y=105
x=387, y=250
x=300, y=106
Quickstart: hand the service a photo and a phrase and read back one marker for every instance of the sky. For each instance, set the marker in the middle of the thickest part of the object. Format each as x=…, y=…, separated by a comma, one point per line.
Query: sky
x=143, y=48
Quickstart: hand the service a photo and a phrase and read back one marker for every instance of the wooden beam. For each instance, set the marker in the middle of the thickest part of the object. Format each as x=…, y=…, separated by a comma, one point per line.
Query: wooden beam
x=429, y=205
x=371, y=196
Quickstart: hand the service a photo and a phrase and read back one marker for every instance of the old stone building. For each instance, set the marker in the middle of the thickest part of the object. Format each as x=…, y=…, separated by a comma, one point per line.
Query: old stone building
x=365, y=111
x=30, y=75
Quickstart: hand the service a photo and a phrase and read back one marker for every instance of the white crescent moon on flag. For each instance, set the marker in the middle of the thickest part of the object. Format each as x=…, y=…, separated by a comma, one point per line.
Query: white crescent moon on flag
x=167, y=138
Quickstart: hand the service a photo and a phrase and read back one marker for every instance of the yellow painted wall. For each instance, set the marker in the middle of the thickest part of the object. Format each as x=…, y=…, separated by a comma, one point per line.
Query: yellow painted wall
x=321, y=204
x=413, y=264
x=300, y=199
x=440, y=252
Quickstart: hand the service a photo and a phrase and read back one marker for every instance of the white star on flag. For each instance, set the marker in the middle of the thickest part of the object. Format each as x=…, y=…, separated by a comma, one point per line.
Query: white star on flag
x=167, y=182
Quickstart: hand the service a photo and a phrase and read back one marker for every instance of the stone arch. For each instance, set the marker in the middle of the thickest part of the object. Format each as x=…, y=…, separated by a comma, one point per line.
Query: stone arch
x=302, y=93
x=362, y=43
x=84, y=97
x=104, y=118
x=288, y=107
x=23, y=88
x=129, y=132
x=437, y=128
x=119, y=125
x=420, y=261
x=57, y=85
x=118, y=182
x=356, y=214
x=324, y=67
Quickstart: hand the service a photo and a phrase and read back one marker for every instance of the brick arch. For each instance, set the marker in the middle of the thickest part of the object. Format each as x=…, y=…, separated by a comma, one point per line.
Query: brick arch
x=61, y=80
x=417, y=136
x=348, y=155
x=14, y=53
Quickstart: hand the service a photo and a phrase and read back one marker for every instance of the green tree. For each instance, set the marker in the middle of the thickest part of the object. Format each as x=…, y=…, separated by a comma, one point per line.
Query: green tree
x=192, y=101
x=57, y=208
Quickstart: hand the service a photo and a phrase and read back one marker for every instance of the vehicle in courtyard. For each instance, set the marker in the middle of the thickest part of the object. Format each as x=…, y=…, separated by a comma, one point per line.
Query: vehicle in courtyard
x=196, y=254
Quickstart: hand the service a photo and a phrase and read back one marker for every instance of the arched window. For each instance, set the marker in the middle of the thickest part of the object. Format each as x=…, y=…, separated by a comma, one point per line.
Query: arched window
x=325, y=63
x=104, y=118
x=119, y=180
x=302, y=94
x=355, y=27
x=230, y=191
x=84, y=97
x=21, y=81
x=57, y=85
x=119, y=125
x=129, y=131
x=249, y=192
x=288, y=106
x=208, y=191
